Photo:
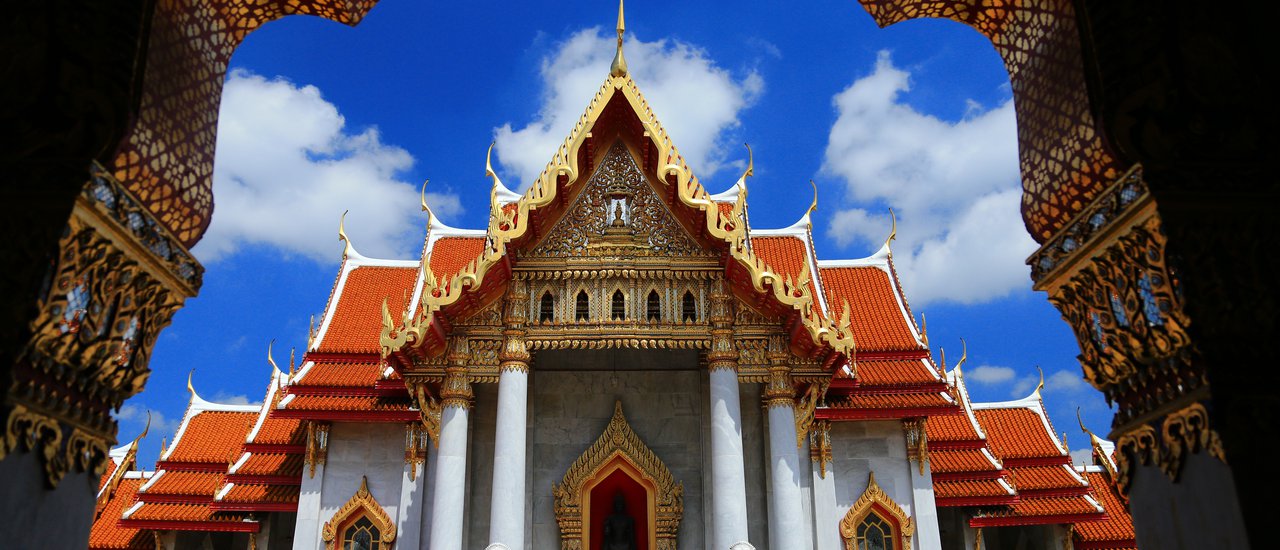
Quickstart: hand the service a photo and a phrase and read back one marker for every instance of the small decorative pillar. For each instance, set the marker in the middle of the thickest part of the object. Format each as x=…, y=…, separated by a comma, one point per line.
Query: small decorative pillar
x=451, y=466
x=728, y=474
x=506, y=519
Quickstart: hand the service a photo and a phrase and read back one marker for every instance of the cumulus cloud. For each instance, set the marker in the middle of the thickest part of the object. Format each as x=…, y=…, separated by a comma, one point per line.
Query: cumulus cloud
x=227, y=398
x=697, y=101
x=132, y=417
x=287, y=167
x=1066, y=381
x=990, y=374
x=953, y=185
x=1082, y=457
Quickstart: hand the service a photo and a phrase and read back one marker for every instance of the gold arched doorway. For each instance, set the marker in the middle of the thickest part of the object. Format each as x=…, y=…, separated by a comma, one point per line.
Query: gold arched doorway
x=617, y=459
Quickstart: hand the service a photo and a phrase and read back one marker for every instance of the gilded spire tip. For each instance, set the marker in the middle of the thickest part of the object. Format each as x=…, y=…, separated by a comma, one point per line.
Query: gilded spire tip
x=813, y=206
x=271, y=360
x=1039, y=386
x=893, y=229
x=342, y=235
x=619, y=66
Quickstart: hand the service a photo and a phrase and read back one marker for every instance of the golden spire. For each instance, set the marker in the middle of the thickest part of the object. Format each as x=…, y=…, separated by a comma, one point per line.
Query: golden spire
x=1039, y=386
x=342, y=235
x=271, y=360
x=426, y=208
x=893, y=231
x=619, y=67
x=814, y=205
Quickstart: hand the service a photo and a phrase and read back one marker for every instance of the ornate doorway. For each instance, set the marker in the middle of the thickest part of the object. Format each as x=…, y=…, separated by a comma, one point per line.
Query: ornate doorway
x=618, y=490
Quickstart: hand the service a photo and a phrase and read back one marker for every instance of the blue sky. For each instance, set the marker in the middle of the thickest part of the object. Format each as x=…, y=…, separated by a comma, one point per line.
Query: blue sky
x=318, y=118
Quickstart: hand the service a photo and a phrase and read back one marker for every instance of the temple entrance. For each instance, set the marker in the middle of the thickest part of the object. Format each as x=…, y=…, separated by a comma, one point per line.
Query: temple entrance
x=618, y=495
x=618, y=504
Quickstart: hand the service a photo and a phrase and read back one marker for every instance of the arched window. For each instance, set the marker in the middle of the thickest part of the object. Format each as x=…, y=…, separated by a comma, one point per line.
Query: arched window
x=876, y=522
x=362, y=535
x=546, y=308
x=360, y=524
x=653, y=308
x=688, y=308
x=619, y=309
x=874, y=533
x=582, y=310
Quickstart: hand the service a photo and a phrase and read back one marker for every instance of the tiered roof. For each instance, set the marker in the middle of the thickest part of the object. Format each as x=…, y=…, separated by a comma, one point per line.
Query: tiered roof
x=268, y=472
x=180, y=494
x=1049, y=489
x=116, y=491
x=965, y=471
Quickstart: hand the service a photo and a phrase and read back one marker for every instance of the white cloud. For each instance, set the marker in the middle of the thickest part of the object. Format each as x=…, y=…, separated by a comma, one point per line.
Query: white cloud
x=953, y=185
x=1082, y=457
x=989, y=374
x=134, y=417
x=1066, y=381
x=696, y=100
x=1022, y=387
x=227, y=398
x=287, y=167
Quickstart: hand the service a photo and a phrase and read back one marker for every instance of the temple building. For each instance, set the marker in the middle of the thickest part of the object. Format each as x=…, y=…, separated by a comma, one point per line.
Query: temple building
x=619, y=360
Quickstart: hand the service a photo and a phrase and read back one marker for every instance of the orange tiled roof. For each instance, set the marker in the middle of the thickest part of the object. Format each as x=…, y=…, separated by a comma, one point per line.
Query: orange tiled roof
x=1118, y=527
x=279, y=431
x=335, y=403
x=106, y=532
x=1049, y=506
x=968, y=488
x=950, y=428
x=182, y=512
x=877, y=320
x=261, y=494
x=450, y=254
x=356, y=323
x=905, y=371
x=785, y=254
x=1017, y=432
x=343, y=374
x=893, y=401
x=962, y=460
x=272, y=464
x=1031, y=478
x=184, y=483
x=213, y=436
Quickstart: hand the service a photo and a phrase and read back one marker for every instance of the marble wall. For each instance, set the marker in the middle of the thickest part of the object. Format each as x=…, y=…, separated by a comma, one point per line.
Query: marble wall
x=569, y=410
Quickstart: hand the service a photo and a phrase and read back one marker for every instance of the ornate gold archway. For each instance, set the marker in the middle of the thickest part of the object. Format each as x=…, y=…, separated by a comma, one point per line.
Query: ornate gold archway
x=874, y=500
x=619, y=448
x=361, y=504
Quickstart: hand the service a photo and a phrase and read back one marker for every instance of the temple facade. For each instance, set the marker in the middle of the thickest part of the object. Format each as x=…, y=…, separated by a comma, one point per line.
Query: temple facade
x=618, y=361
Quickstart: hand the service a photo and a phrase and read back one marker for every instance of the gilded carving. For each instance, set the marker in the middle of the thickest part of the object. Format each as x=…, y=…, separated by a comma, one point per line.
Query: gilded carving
x=415, y=448
x=317, y=446
x=618, y=441
x=808, y=405
x=617, y=195
x=875, y=500
x=430, y=409
x=820, y=446
x=917, y=441
x=360, y=504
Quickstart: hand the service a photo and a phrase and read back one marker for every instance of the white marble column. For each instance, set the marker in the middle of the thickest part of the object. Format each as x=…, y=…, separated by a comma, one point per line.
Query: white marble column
x=429, y=493
x=923, y=508
x=728, y=473
x=506, y=516
x=448, y=503
x=786, y=527
x=826, y=513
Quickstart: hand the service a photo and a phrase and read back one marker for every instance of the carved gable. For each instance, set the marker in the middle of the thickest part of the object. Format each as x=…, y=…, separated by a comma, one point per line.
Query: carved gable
x=617, y=214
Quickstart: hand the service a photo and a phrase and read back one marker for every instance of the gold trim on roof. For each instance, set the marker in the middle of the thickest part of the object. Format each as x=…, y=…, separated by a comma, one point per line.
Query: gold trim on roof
x=511, y=221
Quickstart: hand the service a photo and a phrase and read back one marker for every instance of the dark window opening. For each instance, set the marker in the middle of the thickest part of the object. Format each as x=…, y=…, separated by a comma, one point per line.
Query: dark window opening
x=582, y=310
x=653, y=307
x=546, y=308
x=688, y=309
x=619, y=306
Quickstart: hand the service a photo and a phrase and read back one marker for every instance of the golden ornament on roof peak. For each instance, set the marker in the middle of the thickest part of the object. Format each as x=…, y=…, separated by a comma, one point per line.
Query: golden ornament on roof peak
x=619, y=66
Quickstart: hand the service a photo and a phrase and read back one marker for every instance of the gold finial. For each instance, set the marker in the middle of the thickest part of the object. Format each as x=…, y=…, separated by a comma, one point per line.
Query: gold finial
x=145, y=429
x=292, y=351
x=619, y=67
x=426, y=208
x=893, y=230
x=1039, y=386
x=190, y=387
x=342, y=235
x=964, y=353
x=814, y=205
x=271, y=359
x=924, y=329
x=311, y=331
x=751, y=162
